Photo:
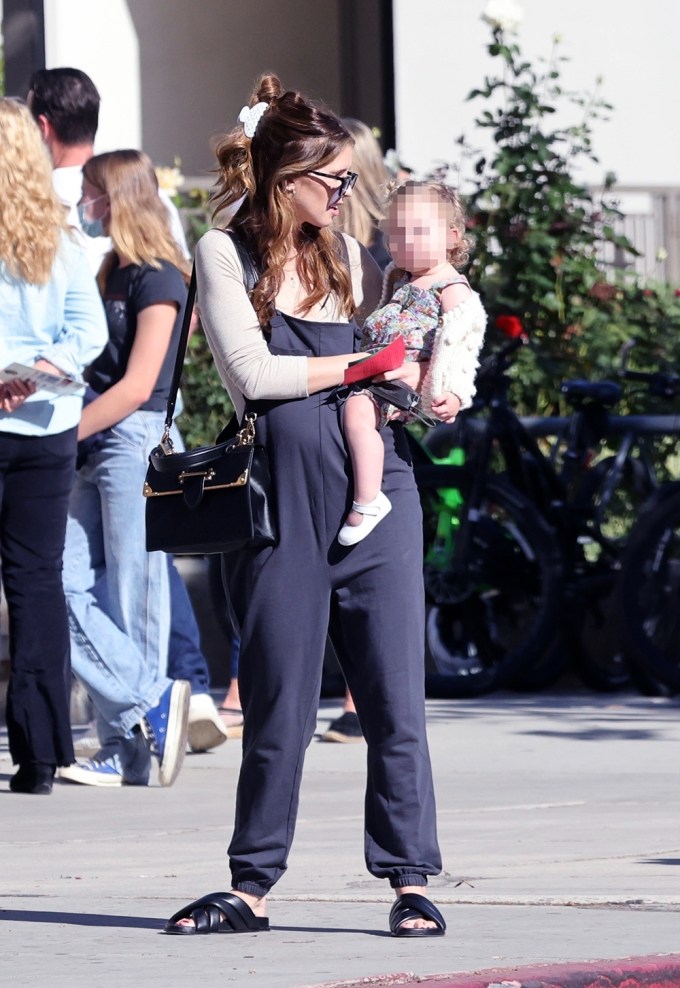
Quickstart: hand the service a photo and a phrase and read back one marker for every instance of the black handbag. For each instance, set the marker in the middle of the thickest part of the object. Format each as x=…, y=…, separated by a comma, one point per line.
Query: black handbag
x=214, y=499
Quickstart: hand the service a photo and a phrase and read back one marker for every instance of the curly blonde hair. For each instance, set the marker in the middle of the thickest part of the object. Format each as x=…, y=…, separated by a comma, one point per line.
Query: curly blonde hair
x=293, y=136
x=32, y=218
x=139, y=225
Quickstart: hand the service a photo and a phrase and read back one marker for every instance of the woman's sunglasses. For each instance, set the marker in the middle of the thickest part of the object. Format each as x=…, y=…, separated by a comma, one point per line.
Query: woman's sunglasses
x=347, y=182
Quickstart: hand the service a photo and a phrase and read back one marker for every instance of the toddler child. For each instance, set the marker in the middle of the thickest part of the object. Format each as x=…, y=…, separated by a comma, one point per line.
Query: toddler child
x=441, y=321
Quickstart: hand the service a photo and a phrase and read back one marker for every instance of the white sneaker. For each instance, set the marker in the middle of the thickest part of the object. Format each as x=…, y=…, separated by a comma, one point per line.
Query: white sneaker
x=206, y=728
x=92, y=773
x=373, y=513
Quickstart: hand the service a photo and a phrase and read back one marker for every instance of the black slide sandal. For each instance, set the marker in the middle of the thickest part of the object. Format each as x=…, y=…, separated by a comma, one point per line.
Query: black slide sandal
x=414, y=906
x=218, y=912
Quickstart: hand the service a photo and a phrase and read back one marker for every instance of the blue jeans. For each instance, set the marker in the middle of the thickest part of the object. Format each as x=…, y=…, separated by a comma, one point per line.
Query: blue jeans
x=117, y=593
x=185, y=658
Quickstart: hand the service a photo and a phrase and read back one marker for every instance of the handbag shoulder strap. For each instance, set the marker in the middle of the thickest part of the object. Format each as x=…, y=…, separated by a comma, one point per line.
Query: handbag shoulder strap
x=251, y=276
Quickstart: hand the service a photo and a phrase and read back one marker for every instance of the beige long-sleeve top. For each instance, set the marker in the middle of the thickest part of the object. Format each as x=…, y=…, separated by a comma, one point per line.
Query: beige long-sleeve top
x=247, y=369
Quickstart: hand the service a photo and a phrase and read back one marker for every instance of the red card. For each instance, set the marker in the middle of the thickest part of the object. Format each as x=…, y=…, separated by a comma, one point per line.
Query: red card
x=388, y=358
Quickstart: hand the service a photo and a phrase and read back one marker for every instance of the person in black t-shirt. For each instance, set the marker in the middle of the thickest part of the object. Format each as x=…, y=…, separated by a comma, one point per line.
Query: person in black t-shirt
x=117, y=593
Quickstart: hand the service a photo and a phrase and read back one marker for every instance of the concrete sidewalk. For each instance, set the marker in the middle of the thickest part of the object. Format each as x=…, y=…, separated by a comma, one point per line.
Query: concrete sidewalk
x=559, y=822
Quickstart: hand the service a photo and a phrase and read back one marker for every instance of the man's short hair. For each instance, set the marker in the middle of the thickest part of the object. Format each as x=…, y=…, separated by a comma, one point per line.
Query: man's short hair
x=70, y=101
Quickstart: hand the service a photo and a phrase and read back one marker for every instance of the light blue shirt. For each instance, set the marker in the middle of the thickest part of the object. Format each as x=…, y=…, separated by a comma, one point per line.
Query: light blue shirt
x=62, y=321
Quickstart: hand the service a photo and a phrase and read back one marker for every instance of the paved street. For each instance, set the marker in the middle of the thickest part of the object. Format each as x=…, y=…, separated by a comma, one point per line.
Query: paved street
x=558, y=818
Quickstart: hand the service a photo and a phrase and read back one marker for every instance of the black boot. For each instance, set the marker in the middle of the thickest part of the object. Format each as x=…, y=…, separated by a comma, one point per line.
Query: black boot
x=33, y=777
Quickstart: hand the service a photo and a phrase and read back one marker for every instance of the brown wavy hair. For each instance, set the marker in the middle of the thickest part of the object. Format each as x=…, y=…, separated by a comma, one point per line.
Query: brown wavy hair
x=295, y=135
x=32, y=218
x=139, y=226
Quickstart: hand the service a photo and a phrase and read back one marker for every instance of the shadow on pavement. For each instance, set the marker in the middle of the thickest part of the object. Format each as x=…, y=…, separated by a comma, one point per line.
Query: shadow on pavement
x=80, y=919
x=148, y=923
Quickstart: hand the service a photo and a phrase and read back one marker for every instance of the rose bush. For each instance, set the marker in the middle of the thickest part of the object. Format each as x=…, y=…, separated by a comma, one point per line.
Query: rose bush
x=540, y=235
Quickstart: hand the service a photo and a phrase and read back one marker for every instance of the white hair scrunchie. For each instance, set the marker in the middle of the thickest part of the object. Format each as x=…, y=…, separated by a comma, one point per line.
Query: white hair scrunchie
x=250, y=117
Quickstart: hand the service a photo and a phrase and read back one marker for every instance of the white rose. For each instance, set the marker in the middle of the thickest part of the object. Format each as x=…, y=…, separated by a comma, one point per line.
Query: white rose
x=503, y=15
x=169, y=179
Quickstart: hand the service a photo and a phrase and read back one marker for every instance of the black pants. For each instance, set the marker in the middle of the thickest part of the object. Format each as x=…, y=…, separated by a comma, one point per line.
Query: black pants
x=36, y=476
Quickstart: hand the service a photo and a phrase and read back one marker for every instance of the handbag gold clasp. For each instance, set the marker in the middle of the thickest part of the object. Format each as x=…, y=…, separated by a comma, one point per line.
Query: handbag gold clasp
x=166, y=444
x=246, y=435
x=207, y=474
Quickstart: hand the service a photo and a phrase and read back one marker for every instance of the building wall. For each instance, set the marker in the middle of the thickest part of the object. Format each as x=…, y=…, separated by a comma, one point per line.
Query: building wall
x=439, y=55
x=174, y=74
x=100, y=39
x=199, y=62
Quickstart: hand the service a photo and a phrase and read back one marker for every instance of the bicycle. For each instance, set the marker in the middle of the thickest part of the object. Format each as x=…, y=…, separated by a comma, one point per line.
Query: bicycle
x=526, y=570
x=649, y=594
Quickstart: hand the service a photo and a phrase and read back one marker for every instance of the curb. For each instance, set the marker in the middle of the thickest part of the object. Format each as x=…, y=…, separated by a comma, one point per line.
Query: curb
x=655, y=971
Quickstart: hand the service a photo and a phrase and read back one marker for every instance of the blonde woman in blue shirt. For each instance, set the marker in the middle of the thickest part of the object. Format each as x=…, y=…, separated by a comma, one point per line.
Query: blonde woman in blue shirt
x=51, y=317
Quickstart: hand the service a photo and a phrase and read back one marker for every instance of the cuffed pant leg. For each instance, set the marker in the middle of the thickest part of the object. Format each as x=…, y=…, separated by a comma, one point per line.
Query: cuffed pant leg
x=377, y=629
x=283, y=632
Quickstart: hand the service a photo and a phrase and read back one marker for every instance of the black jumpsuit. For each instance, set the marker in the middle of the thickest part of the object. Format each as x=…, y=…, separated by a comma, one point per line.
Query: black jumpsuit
x=370, y=595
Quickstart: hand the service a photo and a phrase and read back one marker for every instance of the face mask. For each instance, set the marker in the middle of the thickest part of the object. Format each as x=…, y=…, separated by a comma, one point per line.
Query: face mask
x=92, y=228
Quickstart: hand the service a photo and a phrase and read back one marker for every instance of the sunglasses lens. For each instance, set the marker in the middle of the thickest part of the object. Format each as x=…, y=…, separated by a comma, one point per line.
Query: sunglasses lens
x=346, y=183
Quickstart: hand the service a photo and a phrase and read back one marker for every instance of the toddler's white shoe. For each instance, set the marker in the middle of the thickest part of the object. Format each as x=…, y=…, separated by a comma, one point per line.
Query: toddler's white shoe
x=373, y=512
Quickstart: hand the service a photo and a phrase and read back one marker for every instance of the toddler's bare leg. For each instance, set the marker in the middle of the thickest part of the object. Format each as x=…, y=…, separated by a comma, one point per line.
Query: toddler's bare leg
x=366, y=450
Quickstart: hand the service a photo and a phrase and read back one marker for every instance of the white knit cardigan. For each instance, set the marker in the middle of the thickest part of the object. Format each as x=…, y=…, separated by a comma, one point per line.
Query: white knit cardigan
x=455, y=354
x=457, y=343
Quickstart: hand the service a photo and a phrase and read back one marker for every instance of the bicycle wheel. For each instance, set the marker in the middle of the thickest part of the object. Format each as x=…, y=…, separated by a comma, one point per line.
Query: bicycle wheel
x=650, y=592
x=544, y=671
x=612, y=496
x=492, y=614
x=615, y=495
x=591, y=631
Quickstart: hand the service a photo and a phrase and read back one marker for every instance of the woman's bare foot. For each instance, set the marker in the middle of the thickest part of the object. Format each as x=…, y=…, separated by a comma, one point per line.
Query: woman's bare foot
x=230, y=710
x=232, y=698
x=257, y=904
x=415, y=924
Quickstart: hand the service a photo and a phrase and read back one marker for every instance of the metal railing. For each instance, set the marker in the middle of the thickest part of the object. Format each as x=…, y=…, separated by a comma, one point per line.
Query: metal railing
x=650, y=219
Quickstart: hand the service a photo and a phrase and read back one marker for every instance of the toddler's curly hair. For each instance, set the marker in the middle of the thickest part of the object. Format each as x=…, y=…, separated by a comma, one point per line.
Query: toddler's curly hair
x=459, y=254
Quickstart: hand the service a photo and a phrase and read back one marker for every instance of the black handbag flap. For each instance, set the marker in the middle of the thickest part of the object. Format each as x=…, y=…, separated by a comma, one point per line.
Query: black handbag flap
x=198, y=472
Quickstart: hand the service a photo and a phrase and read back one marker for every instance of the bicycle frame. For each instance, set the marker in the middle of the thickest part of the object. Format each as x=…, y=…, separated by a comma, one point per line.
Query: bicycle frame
x=562, y=492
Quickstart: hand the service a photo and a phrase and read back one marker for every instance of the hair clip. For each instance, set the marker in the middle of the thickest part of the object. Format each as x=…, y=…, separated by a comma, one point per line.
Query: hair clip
x=250, y=117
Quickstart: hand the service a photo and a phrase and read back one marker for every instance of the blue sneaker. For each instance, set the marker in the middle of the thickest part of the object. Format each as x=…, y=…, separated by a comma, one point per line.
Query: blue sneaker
x=92, y=773
x=165, y=727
